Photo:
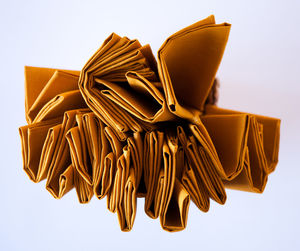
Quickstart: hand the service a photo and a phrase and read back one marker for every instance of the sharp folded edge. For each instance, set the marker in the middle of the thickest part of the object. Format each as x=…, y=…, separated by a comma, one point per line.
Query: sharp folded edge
x=153, y=149
x=195, y=187
x=66, y=181
x=60, y=82
x=118, y=151
x=83, y=189
x=126, y=208
x=83, y=152
x=168, y=180
x=174, y=215
x=61, y=158
x=58, y=105
x=36, y=78
x=205, y=174
x=33, y=137
x=48, y=151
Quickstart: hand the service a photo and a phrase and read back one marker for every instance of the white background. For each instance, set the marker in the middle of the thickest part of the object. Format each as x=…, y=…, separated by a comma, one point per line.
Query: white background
x=259, y=73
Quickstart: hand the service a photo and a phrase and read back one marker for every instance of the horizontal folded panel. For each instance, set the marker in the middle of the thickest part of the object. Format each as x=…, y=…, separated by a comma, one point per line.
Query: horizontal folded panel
x=60, y=82
x=36, y=78
x=57, y=106
x=140, y=98
x=111, y=114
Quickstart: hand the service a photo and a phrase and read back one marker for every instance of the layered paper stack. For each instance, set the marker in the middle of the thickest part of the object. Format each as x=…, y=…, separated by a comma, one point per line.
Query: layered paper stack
x=126, y=126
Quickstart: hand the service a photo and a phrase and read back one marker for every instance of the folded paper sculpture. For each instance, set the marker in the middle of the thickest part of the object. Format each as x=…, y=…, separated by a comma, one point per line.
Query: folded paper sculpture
x=126, y=127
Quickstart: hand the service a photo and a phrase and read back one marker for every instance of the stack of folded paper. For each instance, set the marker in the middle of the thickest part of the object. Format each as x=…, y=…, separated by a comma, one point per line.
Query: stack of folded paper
x=126, y=127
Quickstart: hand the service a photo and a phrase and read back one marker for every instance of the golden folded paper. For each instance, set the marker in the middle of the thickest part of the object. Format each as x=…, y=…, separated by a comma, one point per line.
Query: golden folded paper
x=126, y=127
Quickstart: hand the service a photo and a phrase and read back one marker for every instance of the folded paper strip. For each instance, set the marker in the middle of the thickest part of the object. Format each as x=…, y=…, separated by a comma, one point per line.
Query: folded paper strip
x=126, y=127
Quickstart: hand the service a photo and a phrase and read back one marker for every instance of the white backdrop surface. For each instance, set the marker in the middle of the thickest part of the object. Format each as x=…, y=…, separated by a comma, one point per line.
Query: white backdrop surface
x=259, y=73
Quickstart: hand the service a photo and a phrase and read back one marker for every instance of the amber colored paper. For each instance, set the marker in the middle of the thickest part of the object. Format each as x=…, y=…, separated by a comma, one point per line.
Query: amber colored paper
x=187, y=63
x=126, y=127
x=247, y=144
